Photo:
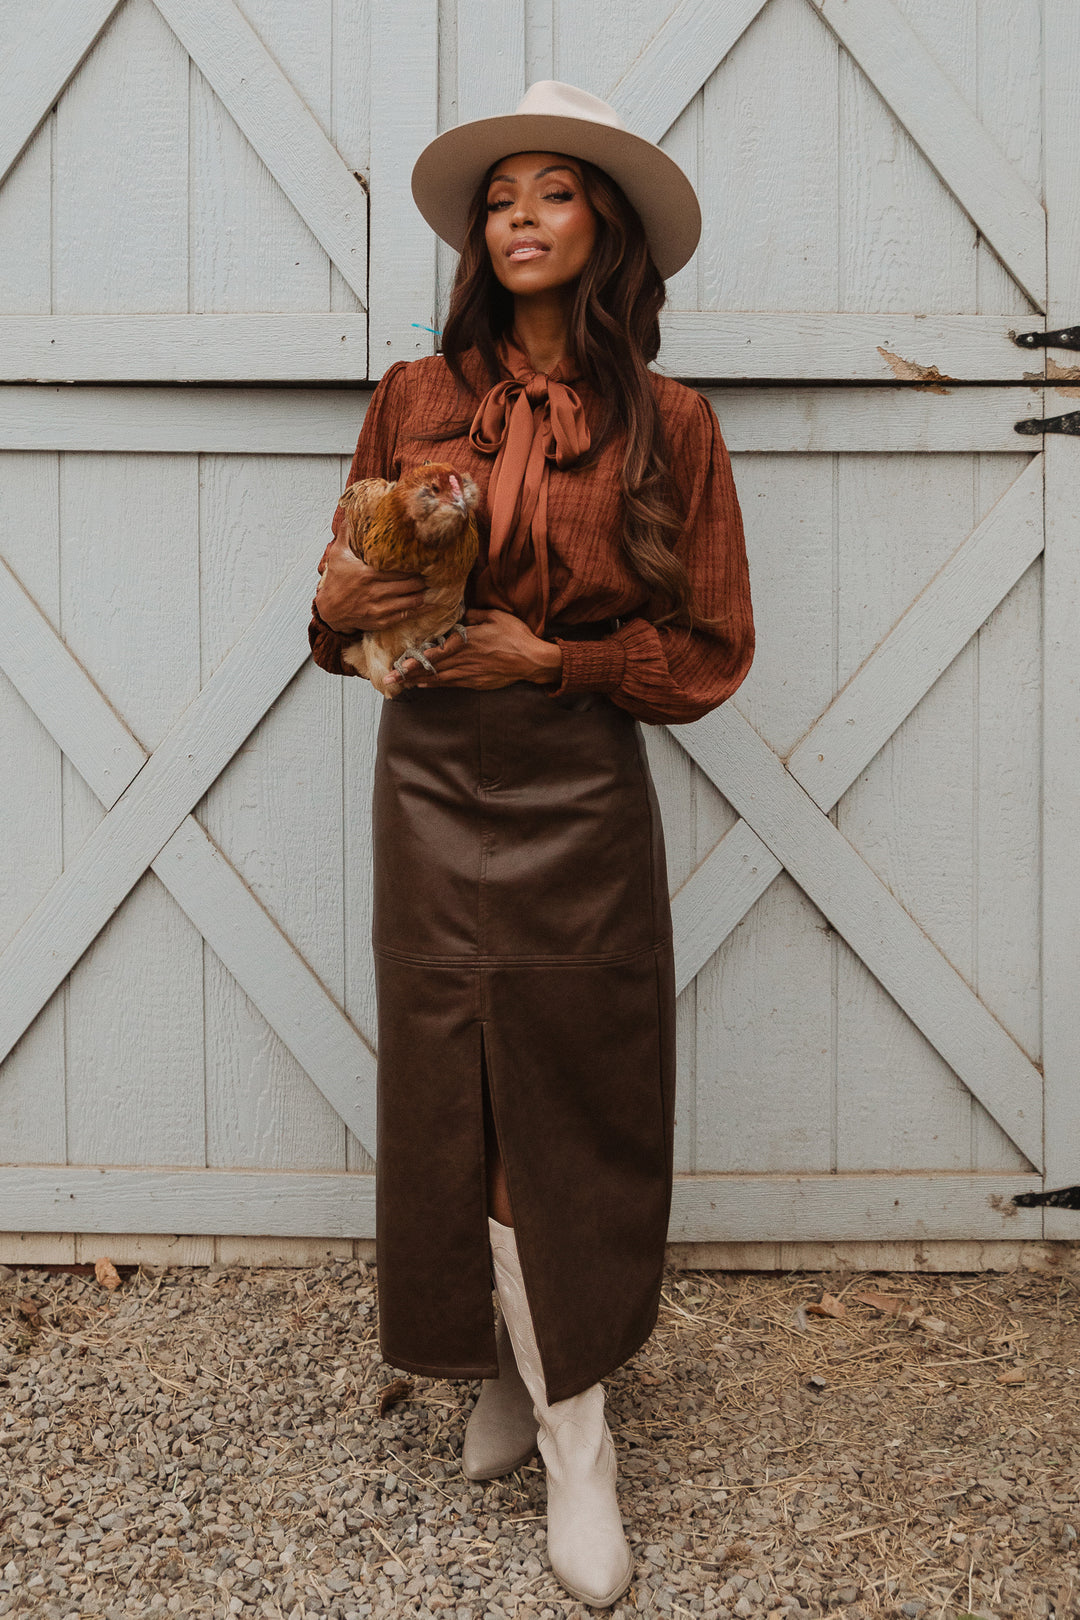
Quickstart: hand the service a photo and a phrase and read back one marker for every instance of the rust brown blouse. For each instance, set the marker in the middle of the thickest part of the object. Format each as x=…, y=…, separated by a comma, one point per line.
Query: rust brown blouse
x=660, y=673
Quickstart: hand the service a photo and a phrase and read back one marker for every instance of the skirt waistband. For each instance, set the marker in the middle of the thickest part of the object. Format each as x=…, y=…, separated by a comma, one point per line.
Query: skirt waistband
x=590, y=630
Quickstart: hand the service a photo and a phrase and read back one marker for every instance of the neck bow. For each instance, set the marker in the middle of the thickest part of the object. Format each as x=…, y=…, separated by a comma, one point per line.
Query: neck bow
x=527, y=421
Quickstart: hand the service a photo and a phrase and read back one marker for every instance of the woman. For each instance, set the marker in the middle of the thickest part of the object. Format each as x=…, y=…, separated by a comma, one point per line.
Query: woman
x=522, y=929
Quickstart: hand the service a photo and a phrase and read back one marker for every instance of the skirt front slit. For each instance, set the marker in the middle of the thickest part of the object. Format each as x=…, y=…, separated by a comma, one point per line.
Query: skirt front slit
x=522, y=927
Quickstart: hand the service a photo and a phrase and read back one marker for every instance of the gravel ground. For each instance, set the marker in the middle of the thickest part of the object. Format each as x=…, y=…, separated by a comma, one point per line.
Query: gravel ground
x=209, y=1442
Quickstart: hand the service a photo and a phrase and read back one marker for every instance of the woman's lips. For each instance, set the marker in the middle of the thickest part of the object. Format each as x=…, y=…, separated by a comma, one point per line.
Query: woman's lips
x=526, y=250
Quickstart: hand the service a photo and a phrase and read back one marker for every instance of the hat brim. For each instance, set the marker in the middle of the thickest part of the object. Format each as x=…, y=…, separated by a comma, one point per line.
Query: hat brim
x=449, y=169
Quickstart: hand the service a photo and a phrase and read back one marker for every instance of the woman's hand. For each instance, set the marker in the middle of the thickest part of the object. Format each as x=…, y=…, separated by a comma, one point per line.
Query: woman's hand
x=352, y=597
x=501, y=649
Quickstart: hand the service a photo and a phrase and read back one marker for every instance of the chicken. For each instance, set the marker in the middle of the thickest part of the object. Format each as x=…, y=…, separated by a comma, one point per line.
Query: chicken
x=423, y=524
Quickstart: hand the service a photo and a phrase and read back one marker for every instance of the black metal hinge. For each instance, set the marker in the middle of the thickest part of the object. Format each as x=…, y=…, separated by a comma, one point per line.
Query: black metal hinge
x=1070, y=423
x=1061, y=1198
x=1066, y=337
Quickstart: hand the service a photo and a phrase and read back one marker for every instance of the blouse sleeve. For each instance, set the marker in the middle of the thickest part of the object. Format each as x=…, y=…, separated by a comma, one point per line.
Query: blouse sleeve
x=374, y=457
x=667, y=674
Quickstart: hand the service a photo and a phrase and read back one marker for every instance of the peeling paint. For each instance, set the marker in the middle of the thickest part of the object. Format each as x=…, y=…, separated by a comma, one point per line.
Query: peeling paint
x=910, y=371
x=1003, y=1206
x=1034, y=377
x=1056, y=373
x=1068, y=393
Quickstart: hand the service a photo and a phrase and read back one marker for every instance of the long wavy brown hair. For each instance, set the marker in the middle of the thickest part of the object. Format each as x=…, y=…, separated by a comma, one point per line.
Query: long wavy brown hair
x=614, y=333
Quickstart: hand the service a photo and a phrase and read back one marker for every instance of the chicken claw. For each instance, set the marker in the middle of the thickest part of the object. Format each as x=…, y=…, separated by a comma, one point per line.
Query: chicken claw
x=440, y=641
x=418, y=654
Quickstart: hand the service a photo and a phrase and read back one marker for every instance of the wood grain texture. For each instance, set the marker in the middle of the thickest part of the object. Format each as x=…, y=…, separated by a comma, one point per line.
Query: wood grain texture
x=182, y=348
x=249, y=82
x=741, y=1208
x=942, y=123
x=1061, y=645
x=318, y=422
x=42, y=49
x=884, y=935
x=882, y=347
x=404, y=111
x=677, y=60
x=114, y=856
x=32, y=1116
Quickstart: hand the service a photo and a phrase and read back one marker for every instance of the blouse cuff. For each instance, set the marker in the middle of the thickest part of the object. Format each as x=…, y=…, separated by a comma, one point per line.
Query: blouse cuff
x=591, y=666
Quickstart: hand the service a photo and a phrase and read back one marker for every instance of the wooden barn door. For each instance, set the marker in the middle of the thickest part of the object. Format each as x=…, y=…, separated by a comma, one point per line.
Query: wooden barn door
x=873, y=847
x=876, y=845
x=184, y=982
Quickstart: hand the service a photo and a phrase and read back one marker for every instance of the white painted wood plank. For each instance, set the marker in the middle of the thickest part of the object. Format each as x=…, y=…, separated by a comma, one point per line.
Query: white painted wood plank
x=232, y=57
x=110, y=1198
x=1008, y=807
x=848, y=1207
x=350, y=108
x=741, y=1208
x=859, y=906
x=677, y=60
x=272, y=973
x=903, y=419
x=891, y=202
x=1061, y=652
x=26, y=229
x=32, y=1122
x=182, y=348
x=120, y=173
x=922, y=644
x=1008, y=91
x=114, y=857
x=250, y=249
x=262, y=959
x=717, y=896
x=276, y=813
x=135, y=1078
x=909, y=813
x=40, y=56
x=767, y=173
x=319, y=422
x=490, y=57
x=404, y=106
x=63, y=696
x=943, y=125
x=273, y=421
x=761, y=346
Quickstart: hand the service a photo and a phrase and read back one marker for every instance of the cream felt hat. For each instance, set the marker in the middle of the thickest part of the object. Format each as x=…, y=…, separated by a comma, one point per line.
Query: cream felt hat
x=557, y=117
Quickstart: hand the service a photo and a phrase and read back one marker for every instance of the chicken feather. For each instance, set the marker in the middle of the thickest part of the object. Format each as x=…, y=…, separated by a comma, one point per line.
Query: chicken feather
x=424, y=523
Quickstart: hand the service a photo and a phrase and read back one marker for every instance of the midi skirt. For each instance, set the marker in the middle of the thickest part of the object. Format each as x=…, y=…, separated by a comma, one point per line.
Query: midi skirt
x=522, y=938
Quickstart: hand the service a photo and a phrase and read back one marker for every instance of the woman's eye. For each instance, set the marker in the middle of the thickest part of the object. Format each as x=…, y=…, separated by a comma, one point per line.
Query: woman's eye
x=558, y=196
x=499, y=202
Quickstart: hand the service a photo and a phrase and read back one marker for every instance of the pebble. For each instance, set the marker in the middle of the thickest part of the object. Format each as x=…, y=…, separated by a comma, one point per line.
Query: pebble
x=208, y=1442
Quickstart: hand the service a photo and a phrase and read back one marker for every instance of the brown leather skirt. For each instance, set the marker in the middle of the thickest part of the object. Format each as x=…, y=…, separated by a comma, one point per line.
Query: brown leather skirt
x=522, y=933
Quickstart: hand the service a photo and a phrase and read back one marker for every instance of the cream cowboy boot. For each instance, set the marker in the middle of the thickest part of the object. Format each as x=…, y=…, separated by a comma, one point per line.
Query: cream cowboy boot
x=586, y=1544
x=501, y=1432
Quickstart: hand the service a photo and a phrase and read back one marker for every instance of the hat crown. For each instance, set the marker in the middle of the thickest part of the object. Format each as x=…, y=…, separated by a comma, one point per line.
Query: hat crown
x=548, y=98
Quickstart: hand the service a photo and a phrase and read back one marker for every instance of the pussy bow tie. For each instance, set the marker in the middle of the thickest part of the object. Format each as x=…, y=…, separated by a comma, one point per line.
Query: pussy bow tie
x=527, y=421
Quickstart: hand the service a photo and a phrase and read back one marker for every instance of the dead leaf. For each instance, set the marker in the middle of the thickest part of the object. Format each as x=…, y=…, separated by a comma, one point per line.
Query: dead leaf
x=888, y=1304
x=106, y=1273
x=29, y=1309
x=828, y=1305
x=1015, y=1375
x=399, y=1389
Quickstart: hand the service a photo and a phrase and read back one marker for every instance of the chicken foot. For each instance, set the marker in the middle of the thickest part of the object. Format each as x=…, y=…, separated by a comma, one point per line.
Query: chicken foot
x=435, y=641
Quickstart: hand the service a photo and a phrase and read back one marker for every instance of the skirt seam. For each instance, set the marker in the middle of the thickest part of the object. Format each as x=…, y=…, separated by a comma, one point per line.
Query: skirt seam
x=478, y=961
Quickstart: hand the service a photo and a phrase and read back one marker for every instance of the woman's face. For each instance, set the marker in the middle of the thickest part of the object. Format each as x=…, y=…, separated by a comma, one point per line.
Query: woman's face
x=541, y=227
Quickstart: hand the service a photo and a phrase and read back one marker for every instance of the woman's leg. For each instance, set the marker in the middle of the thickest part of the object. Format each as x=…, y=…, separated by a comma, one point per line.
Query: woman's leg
x=498, y=1198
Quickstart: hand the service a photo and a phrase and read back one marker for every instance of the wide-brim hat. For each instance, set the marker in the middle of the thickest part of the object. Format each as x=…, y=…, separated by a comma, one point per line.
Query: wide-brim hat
x=557, y=117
